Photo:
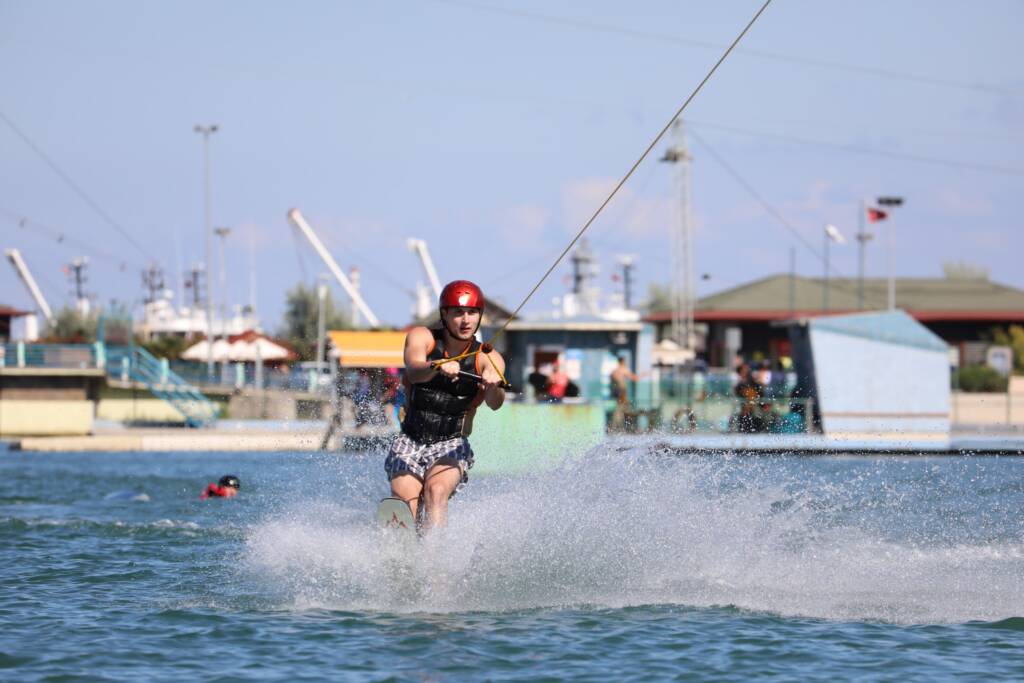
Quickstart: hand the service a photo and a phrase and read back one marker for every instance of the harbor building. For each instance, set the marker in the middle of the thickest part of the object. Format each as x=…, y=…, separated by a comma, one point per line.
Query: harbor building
x=748, y=319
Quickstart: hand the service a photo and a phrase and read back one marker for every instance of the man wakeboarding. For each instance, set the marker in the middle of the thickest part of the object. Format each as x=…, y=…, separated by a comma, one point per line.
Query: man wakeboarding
x=430, y=458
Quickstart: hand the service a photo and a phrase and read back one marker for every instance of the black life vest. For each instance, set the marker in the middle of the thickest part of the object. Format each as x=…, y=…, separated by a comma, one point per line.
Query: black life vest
x=436, y=410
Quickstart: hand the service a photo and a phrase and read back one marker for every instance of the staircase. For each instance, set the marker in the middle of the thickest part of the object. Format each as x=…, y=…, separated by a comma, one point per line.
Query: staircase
x=136, y=364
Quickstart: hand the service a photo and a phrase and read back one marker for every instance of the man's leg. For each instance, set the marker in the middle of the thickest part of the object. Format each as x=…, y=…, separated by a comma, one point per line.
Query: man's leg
x=439, y=485
x=408, y=488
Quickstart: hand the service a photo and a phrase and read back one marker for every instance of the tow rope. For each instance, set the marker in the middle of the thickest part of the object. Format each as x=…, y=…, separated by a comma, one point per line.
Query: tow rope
x=488, y=346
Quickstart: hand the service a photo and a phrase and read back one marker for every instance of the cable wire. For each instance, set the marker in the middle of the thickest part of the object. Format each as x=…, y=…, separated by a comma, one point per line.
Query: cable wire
x=989, y=168
x=78, y=189
x=633, y=168
x=679, y=40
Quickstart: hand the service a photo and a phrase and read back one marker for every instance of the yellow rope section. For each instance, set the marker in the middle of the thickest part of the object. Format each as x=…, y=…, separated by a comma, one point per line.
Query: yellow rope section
x=488, y=346
x=485, y=348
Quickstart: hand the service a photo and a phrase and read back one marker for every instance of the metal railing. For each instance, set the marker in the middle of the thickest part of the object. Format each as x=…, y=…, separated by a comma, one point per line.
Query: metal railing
x=70, y=356
x=245, y=376
x=716, y=415
x=121, y=363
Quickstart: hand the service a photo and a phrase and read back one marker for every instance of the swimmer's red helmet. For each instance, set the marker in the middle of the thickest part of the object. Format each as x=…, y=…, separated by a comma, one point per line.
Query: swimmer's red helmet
x=461, y=293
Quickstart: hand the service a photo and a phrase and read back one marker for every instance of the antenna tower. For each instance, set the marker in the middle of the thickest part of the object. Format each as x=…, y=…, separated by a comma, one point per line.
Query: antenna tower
x=683, y=290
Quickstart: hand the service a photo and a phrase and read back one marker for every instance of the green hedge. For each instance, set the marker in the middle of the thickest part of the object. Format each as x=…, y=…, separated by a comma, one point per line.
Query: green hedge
x=978, y=378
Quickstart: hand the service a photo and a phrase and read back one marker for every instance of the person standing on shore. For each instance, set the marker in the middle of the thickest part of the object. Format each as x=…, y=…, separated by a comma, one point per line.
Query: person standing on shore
x=430, y=458
x=620, y=378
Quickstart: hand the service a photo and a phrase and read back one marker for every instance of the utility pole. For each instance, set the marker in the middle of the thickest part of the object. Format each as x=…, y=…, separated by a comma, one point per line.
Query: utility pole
x=354, y=277
x=832, y=234
x=628, y=263
x=206, y=132
x=194, y=282
x=863, y=237
x=892, y=203
x=252, y=271
x=321, y=324
x=792, y=281
x=153, y=282
x=76, y=271
x=682, y=242
x=584, y=270
x=222, y=233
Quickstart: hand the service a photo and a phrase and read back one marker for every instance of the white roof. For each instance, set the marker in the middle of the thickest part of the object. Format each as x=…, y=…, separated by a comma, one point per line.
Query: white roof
x=241, y=351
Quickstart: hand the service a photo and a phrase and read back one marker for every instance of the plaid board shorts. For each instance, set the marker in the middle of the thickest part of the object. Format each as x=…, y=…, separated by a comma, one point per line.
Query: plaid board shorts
x=408, y=456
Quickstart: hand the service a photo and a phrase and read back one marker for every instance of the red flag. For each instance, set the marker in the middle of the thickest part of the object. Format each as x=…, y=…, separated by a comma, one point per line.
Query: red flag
x=875, y=215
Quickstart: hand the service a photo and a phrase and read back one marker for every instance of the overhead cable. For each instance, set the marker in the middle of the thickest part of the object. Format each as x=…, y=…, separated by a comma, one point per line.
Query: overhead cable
x=967, y=165
x=78, y=190
x=636, y=164
x=703, y=44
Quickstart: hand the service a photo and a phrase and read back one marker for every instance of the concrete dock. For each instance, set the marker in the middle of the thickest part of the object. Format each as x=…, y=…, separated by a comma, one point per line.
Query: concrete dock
x=238, y=437
x=235, y=437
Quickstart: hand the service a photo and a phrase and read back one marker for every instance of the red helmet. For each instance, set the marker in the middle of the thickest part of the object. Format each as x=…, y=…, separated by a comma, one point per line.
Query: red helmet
x=461, y=293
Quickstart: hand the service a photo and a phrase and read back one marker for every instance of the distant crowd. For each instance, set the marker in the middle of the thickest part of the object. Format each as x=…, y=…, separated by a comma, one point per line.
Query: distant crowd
x=758, y=396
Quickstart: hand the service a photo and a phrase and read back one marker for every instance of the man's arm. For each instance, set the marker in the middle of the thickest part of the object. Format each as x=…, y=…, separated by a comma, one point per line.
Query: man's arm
x=494, y=395
x=417, y=345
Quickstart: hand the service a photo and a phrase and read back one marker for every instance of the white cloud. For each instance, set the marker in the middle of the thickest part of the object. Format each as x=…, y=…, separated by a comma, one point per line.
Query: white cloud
x=521, y=226
x=628, y=214
x=956, y=201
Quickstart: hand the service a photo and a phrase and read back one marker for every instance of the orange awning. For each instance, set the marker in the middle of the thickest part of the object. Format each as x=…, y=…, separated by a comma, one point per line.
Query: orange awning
x=368, y=349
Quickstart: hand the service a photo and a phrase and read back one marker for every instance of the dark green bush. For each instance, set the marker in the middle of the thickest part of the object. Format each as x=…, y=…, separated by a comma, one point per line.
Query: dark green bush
x=978, y=378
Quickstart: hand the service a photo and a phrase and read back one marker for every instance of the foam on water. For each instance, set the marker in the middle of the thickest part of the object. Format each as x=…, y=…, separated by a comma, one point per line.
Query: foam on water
x=632, y=525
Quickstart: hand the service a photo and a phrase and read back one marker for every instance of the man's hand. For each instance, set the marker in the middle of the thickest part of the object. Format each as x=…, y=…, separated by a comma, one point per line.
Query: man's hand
x=490, y=378
x=450, y=370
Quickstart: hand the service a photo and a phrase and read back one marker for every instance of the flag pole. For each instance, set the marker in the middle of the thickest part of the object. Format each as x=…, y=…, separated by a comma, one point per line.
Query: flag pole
x=824, y=291
x=862, y=242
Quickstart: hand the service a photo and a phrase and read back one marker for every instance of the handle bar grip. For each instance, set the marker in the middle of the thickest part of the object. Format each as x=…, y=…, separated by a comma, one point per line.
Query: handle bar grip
x=478, y=378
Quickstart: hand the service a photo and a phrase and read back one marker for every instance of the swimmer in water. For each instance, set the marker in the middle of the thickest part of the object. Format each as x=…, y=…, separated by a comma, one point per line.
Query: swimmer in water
x=227, y=487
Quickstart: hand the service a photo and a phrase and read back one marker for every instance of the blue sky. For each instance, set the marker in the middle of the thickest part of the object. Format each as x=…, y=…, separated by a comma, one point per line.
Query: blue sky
x=492, y=129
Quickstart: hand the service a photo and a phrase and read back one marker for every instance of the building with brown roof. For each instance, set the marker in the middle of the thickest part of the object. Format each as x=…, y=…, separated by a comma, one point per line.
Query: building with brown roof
x=6, y=315
x=959, y=310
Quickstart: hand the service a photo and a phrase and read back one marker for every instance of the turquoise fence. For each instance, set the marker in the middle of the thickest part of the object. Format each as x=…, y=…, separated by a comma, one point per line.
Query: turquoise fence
x=121, y=363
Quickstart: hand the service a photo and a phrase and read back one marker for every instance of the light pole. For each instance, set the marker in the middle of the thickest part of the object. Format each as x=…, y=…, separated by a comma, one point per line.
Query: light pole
x=206, y=132
x=863, y=237
x=321, y=323
x=832, y=234
x=892, y=203
x=222, y=233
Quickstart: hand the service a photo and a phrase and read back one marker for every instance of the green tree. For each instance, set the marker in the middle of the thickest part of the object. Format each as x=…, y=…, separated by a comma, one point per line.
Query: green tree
x=659, y=298
x=169, y=347
x=69, y=326
x=1013, y=336
x=300, y=319
x=980, y=378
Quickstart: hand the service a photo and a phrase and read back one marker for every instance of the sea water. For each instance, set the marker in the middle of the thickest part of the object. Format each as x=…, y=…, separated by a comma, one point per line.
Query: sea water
x=633, y=562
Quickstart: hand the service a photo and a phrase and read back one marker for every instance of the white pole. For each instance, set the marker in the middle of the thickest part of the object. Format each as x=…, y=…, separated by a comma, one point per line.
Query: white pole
x=296, y=218
x=207, y=241
x=30, y=283
x=890, y=259
x=824, y=281
x=321, y=324
x=353, y=275
x=252, y=271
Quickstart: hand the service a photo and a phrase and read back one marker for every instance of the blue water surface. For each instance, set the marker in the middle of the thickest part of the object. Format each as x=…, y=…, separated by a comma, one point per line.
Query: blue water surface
x=632, y=563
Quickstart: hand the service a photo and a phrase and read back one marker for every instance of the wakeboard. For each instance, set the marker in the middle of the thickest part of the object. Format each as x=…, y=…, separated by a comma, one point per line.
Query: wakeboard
x=394, y=513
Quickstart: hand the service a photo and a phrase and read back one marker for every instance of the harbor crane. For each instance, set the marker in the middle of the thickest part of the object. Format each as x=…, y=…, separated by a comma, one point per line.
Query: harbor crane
x=424, y=303
x=296, y=218
x=20, y=267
